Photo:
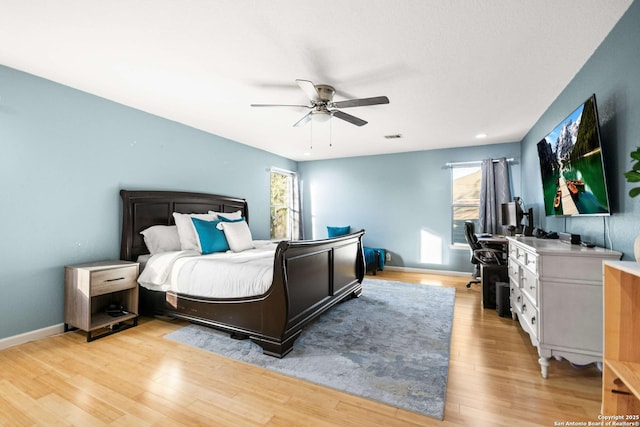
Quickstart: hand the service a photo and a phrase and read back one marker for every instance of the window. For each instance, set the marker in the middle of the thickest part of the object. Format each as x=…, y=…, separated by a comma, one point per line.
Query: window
x=284, y=201
x=465, y=204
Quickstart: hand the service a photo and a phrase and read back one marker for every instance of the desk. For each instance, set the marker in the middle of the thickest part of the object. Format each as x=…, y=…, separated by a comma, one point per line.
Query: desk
x=491, y=274
x=495, y=239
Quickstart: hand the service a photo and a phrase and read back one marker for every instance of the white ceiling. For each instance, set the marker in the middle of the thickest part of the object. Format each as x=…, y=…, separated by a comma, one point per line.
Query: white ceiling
x=451, y=69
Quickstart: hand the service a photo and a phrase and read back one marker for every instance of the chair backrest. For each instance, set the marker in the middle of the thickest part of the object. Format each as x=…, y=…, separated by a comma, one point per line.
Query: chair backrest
x=470, y=235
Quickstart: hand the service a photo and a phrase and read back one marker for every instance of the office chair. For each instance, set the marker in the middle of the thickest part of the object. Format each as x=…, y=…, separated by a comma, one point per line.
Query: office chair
x=480, y=255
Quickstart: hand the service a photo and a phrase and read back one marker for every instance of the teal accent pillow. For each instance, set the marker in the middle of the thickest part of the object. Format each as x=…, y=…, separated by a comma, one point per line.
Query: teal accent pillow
x=225, y=219
x=338, y=231
x=211, y=239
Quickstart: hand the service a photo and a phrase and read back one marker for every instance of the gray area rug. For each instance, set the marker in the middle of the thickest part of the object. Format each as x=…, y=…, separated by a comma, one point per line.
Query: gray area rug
x=390, y=345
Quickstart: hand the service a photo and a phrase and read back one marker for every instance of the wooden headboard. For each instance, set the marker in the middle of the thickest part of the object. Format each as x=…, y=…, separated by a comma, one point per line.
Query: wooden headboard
x=142, y=209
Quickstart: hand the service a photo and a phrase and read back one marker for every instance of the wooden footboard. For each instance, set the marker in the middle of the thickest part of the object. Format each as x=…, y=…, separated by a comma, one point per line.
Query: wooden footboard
x=309, y=277
x=313, y=276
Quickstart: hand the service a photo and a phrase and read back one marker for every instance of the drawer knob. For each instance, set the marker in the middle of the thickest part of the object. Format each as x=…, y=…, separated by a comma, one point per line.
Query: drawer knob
x=114, y=279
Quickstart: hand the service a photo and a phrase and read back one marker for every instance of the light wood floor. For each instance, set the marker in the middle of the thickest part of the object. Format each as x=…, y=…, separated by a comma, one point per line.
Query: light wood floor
x=138, y=378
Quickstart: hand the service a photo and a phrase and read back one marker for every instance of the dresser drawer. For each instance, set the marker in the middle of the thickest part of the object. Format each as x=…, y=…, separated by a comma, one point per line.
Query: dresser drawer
x=516, y=297
x=528, y=315
x=525, y=258
x=531, y=262
x=520, y=255
x=525, y=310
x=514, y=271
x=113, y=280
x=529, y=285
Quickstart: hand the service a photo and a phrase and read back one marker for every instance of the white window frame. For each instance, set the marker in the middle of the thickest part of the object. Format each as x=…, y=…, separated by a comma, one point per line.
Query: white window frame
x=455, y=172
x=290, y=204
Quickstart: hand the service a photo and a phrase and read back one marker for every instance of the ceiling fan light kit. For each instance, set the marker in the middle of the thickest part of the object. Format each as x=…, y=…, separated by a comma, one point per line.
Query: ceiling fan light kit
x=322, y=116
x=324, y=108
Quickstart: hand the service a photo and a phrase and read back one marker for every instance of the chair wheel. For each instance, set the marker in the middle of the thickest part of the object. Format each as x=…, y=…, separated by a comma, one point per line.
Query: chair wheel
x=468, y=285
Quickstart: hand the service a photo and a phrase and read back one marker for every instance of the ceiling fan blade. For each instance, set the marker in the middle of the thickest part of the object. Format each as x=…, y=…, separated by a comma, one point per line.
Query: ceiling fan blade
x=309, y=89
x=303, y=121
x=349, y=118
x=362, y=102
x=281, y=105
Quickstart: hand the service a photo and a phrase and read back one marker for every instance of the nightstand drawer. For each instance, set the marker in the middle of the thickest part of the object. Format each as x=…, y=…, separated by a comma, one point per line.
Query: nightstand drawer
x=113, y=279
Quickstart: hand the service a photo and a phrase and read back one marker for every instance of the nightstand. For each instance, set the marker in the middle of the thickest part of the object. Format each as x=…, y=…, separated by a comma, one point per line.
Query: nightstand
x=91, y=288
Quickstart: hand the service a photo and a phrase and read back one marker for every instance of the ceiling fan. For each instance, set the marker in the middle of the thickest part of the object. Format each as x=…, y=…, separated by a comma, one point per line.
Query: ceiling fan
x=321, y=103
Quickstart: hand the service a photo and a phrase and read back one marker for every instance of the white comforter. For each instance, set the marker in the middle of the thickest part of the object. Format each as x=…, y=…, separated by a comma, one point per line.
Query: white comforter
x=217, y=275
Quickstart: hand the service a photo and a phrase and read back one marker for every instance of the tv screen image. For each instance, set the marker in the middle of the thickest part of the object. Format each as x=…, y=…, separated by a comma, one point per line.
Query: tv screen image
x=573, y=180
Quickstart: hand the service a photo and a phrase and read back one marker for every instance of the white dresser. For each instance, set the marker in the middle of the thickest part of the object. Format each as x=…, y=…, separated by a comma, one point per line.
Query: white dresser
x=556, y=294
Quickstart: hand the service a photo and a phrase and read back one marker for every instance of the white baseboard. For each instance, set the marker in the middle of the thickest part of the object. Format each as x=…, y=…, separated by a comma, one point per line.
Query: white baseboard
x=427, y=271
x=31, y=336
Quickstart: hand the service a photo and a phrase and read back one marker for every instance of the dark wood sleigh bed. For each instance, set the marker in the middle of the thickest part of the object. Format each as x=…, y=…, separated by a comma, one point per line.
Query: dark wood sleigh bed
x=309, y=277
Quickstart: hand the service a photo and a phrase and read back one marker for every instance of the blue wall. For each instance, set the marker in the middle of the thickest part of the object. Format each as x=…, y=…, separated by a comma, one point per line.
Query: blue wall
x=395, y=198
x=612, y=74
x=64, y=156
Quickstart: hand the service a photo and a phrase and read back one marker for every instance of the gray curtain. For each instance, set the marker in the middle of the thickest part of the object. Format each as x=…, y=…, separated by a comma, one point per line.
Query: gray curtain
x=494, y=191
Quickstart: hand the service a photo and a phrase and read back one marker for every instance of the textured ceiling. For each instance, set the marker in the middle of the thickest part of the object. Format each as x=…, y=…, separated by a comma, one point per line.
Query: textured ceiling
x=451, y=69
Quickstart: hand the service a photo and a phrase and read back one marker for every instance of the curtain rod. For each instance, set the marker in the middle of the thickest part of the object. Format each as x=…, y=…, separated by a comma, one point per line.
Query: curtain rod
x=475, y=162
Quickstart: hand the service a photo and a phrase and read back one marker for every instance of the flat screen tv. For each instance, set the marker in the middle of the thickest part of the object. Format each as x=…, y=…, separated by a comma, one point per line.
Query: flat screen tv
x=571, y=166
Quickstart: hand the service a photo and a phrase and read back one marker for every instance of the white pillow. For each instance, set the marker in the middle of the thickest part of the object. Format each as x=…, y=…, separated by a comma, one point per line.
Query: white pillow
x=161, y=238
x=227, y=215
x=238, y=235
x=189, y=240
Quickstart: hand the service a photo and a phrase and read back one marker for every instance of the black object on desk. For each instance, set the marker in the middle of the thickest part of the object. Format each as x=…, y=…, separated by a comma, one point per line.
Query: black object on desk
x=491, y=275
x=503, y=303
x=574, y=239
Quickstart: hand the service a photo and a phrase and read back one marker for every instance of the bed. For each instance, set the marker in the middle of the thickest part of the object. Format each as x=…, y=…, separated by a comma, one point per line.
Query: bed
x=308, y=277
